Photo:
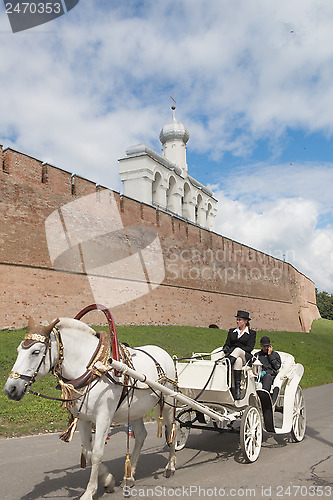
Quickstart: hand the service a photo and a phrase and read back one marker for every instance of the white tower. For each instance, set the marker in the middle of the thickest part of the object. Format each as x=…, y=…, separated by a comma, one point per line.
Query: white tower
x=163, y=181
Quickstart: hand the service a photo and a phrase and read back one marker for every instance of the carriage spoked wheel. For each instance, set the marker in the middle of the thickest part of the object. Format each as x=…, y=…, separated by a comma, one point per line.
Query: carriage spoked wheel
x=299, y=417
x=251, y=434
x=182, y=432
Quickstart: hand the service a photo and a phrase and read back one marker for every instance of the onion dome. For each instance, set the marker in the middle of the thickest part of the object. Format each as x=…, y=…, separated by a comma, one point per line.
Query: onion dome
x=174, y=130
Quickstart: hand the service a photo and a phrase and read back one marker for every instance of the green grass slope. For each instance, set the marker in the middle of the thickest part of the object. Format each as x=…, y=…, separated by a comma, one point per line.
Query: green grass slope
x=33, y=414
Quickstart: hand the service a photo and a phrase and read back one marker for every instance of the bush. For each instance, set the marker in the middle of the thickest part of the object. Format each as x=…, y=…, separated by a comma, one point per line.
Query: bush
x=325, y=304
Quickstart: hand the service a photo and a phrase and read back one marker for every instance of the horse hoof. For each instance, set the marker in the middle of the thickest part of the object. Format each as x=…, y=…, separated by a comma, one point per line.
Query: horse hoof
x=168, y=473
x=127, y=481
x=109, y=484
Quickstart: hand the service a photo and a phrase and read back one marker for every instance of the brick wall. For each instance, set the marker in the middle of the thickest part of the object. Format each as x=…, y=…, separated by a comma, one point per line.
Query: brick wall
x=207, y=277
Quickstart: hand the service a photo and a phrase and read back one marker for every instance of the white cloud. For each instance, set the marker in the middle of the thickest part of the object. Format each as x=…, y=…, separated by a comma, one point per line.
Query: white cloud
x=81, y=89
x=102, y=75
x=260, y=183
x=252, y=210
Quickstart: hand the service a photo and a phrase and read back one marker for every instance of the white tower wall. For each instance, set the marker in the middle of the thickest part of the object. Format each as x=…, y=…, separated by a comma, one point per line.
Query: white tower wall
x=163, y=181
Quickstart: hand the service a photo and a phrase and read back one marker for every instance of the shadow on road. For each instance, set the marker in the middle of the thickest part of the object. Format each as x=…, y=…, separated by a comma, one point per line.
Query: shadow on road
x=224, y=446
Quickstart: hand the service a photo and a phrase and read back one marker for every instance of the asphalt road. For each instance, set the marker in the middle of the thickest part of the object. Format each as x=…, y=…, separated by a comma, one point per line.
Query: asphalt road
x=210, y=466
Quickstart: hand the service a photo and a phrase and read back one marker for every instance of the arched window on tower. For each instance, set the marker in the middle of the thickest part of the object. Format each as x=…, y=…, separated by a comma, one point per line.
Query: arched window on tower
x=158, y=195
x=210, y=217
x=187, y=203
x=198, y=211
x=170, y=195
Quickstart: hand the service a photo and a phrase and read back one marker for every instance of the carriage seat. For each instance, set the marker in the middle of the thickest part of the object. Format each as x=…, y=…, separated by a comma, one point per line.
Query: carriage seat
x=217, y=354
x=287, y=369
x=285, y=372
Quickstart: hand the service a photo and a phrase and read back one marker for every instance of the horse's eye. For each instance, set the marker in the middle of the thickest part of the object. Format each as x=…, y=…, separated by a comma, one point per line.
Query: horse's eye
x=36, y=352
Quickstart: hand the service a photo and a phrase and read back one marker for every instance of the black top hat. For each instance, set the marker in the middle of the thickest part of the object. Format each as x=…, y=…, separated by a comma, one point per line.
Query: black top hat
x=265, y=341
x=243, y=314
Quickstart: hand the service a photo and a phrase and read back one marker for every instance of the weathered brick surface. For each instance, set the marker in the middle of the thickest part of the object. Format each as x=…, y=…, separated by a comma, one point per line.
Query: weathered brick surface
x=207, y=277
x=59, y=181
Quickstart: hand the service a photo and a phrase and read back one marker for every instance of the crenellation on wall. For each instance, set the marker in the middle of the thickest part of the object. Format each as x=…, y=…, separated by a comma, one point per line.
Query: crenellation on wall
x=2, y=162
x=141, y=211
x=83, y=187
x=122, y=209
x=130, y=210
x=59, y=180
x=24, y=168
x=28, y=170
x=166, y=225
x=157, y=217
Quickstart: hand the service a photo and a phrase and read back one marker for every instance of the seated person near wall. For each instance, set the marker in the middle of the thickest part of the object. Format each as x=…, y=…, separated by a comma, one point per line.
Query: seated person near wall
x=271, y=363
x=238, y=346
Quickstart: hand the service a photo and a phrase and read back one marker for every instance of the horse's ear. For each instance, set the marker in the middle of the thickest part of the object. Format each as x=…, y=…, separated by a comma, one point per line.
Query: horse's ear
x=48, y=329
x=31, y=324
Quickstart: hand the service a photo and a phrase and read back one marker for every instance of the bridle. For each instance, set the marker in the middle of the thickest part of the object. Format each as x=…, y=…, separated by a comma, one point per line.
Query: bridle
x=46, y=340
x=69, y=393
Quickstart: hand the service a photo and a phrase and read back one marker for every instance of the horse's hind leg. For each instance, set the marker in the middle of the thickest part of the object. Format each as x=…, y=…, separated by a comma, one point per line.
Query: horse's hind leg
x=140, y=435
x=168, y=418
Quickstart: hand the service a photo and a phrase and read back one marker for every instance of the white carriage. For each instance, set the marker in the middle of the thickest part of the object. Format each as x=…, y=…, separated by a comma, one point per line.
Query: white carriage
x=209, y=382
x=206, y=398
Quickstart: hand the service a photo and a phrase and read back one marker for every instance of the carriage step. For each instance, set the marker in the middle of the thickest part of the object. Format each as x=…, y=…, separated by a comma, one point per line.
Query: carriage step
x=267, y=409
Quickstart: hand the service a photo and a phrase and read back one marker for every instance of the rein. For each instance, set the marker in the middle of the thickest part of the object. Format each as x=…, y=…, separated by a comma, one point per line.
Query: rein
x=199, y=356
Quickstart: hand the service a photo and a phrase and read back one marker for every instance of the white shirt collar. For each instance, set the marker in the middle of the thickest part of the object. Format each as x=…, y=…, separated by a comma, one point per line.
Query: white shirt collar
x=246, y=330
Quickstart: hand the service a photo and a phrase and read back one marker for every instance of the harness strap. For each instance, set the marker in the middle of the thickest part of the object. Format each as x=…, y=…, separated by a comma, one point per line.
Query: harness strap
x=127, y=360
x=160, y=371
x=102, y=353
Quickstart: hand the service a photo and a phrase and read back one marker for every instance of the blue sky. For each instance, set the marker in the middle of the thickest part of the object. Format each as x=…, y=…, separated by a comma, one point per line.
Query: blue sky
x=253, y=84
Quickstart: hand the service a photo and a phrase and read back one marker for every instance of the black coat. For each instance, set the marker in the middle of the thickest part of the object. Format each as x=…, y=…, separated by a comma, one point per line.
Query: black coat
x=245, y=342
x=271, y=363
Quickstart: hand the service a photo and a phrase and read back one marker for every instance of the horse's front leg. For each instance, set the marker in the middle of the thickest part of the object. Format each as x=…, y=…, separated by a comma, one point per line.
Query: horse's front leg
x=85, y=431
x=96, y=455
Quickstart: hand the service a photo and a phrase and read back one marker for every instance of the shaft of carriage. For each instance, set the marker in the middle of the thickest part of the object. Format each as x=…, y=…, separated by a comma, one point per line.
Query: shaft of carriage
x=181, y=398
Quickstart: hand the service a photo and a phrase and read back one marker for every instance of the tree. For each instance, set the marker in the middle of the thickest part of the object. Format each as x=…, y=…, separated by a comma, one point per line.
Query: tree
x=325, y=304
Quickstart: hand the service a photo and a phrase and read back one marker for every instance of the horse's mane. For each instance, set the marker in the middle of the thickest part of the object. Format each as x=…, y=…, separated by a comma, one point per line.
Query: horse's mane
x=70, y=323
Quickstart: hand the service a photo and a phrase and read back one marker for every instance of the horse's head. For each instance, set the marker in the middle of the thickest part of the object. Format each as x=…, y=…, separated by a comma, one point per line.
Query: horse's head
x=30, y=361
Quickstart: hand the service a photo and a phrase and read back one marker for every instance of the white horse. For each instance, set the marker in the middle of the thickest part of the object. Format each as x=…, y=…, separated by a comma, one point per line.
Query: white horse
x=39, y=353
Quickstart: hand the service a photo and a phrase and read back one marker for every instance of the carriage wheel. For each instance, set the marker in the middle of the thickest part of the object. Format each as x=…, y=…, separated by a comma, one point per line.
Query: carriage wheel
x=251, y=434
x=182, y=433
x=299, y=417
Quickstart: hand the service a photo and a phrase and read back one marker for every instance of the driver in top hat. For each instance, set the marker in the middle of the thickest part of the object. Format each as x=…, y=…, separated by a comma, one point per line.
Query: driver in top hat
x=238, y=346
